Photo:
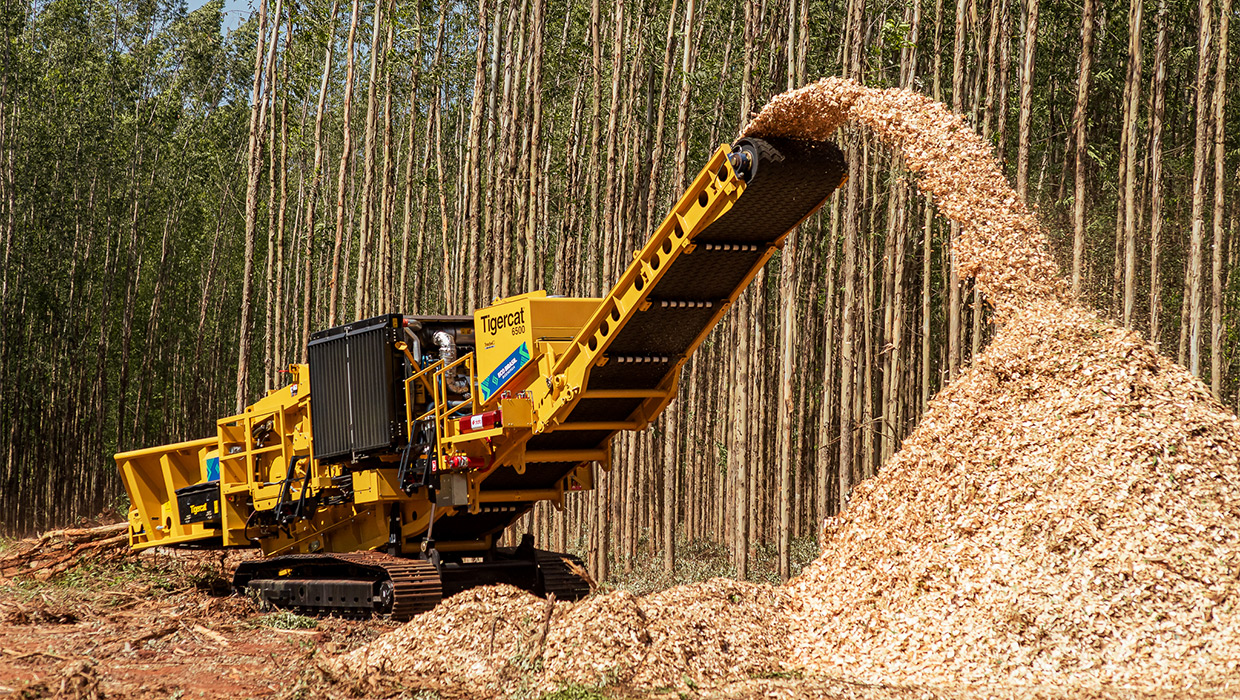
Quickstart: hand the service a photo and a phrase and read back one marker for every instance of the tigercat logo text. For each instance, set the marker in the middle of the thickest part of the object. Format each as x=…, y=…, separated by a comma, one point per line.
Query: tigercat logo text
x=493, y=324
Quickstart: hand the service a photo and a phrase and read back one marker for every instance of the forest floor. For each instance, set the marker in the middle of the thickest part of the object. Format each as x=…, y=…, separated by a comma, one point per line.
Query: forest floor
x=155, y=626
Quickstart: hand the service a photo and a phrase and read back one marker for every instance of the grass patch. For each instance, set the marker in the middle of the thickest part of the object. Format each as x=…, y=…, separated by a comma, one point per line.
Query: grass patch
x=109, y=574
x=287, y=620
x=576, y=691
x=701, y=560
x=794, y=675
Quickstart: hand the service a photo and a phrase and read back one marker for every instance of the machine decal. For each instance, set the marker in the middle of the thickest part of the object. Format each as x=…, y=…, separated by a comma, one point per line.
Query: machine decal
x=514, y=321
x=506, y=370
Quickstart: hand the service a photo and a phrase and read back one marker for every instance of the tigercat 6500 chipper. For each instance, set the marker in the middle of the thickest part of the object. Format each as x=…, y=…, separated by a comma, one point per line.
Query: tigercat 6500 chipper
x=380, y=478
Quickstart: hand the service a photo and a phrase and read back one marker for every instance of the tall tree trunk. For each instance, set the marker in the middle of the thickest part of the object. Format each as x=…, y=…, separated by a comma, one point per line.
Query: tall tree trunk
x=386, y=301
x=682, y=112
x=407, y=303
x=279, y=333
x=361, y=295
x=1026, y=98
x=534, y=268
x=346, y=152
x=1220, y=124
x=823, y=481
x=954, y=300
x=787, y=341
x=1205, y=18
x=1079, y=118
x=738, y=457
x=592, y=166
x=473, y=171
x=847, y=333
x=316, y=179
x=656, y=154
x=257, y=114
x=1156, y=186
x=608, y=231
x=269, y=277
x=1130, y=157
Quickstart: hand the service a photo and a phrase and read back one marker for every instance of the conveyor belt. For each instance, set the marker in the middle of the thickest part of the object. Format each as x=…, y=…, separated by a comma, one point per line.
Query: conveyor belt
x=780, y=182
x=791, y=180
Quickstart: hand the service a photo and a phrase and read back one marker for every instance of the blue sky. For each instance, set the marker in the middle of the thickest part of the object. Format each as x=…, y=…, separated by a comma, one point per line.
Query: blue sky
x=235, y=11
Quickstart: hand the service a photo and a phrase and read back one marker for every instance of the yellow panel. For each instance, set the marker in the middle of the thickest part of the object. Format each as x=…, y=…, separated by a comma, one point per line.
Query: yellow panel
x=151, y=477
x=508, y=333
x=371, y=485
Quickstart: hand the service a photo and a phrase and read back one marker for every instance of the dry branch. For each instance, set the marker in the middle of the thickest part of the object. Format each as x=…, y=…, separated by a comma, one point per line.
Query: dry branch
x=56, y=551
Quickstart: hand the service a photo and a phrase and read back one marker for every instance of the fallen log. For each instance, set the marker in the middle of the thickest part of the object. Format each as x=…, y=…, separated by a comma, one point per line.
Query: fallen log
x=56, y=551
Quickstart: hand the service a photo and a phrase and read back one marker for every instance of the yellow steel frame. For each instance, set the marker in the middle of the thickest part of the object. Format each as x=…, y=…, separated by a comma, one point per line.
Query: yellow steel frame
x=252, y=470
x=712, y=193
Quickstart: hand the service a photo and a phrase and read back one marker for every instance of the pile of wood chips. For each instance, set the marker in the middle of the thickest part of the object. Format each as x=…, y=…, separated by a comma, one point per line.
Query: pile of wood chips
x=1068, y=510
x=1000, y=241
x=1066, y=515
x=469, y=641
x=492, y=640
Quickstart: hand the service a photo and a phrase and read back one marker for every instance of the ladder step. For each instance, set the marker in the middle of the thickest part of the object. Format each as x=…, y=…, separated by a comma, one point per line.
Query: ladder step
x=732, y=247
x=638, y=359
x=594, y=425
x=624, y=394
x=670, y=304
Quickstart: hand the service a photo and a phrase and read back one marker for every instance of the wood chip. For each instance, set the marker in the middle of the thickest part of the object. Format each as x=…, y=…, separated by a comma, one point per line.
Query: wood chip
x=1066, y=515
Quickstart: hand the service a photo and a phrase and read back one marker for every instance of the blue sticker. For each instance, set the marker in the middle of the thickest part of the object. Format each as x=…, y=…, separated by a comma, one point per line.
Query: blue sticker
x=213, y=469
x=506, y=370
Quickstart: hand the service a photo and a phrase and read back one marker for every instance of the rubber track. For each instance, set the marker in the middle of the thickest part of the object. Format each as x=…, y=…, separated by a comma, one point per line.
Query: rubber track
x=558, y=578
x=415, y=582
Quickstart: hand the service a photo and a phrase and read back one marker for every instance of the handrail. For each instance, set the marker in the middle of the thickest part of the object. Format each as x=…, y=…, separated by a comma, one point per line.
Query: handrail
x=712, y=193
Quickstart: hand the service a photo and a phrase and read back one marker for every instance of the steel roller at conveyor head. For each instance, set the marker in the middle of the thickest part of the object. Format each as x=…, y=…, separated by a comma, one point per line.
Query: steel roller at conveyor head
x=790, y=181
x=659, y=314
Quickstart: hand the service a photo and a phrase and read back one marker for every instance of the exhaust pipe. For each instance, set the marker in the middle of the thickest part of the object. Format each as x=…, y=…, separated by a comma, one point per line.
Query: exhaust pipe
x=447, y=355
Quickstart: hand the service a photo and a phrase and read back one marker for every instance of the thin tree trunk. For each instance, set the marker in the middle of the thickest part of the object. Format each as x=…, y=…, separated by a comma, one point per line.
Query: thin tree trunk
x=1079, y=117
x=656, y=157
x=346, y=151
x=1220, y=124
x=788, y=331
x=1199, y=184
x=279, y=334
x=386, y=300
x=406, y=303
x=316, y=179
x=361, y=295
x=847, y=333
x=1130, y=158
x=1156, y=186
x=687, y=60
x=823, y=460
x=1026, y=98
x=257, y=115
x=613, y=114
x=270, y=291
x=533, y=271
x=592, y=166
x=473, y=171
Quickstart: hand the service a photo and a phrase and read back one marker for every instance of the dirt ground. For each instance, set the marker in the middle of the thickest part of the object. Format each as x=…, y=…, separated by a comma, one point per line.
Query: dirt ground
x=158, y=626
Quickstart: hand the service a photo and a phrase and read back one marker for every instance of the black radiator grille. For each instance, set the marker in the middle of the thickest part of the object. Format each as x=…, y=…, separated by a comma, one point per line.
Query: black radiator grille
x=354, y=391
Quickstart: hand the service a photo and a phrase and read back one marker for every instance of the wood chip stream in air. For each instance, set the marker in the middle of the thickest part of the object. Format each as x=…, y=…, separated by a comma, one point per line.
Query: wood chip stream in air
x=1066, y=515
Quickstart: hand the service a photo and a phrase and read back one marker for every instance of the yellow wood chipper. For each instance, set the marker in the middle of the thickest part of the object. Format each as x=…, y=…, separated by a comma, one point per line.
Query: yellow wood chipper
x=380, y=478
